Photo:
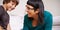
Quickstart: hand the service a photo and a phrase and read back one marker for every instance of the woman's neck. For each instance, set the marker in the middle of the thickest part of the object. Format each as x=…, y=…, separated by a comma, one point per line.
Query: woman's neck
x=35, y=17
x=35, y=21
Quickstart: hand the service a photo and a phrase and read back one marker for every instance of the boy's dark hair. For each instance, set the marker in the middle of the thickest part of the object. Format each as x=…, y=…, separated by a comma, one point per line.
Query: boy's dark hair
x=7, y=1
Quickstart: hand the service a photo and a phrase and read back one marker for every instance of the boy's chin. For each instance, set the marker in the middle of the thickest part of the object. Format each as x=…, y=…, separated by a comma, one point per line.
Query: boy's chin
x=9, y=9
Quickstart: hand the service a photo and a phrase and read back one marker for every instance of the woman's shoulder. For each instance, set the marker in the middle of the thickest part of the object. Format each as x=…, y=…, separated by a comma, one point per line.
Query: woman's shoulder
x=47, y=13
x=47, y=16
x=26, y=17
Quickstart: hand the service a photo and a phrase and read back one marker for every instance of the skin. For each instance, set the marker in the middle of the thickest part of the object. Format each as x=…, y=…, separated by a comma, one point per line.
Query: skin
x=0, y=28
x=34, y=14
x=8, y=7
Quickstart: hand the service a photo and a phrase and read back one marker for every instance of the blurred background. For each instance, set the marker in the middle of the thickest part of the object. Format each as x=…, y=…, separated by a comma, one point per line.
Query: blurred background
x=17, y=15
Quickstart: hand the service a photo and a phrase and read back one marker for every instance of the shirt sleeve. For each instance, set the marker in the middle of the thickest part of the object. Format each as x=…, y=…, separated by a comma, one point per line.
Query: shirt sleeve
x=48, y=24
x=4, y=20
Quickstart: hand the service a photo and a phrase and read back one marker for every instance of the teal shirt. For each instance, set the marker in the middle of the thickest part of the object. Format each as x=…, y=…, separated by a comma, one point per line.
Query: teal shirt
x=46, y=26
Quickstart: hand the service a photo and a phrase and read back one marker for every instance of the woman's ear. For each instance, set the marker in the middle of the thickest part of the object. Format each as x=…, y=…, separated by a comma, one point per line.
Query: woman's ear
x=37, y=11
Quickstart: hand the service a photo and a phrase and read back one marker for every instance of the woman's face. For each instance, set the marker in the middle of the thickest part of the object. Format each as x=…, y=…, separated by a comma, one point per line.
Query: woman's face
x=30, y=11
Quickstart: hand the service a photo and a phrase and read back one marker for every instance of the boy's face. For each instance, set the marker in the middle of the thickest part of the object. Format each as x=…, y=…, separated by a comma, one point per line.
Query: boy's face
x=10, y=6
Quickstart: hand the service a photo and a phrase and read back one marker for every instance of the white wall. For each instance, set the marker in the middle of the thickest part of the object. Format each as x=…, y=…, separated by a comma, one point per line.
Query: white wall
x=1, y=2
x=53, y=6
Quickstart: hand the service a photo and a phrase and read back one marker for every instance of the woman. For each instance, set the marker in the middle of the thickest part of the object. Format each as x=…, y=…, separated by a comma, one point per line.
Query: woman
x=37, y=18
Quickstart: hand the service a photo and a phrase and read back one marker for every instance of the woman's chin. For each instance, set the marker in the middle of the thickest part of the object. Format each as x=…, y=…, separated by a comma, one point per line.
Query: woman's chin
x=29, y=16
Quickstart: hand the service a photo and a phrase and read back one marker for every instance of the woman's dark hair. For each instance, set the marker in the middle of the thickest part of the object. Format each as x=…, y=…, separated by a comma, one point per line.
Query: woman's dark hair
x=38, y=4
x=7, y=1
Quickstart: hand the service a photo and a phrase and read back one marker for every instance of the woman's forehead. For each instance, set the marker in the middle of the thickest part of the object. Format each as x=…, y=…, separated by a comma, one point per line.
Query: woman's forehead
x=29, y=6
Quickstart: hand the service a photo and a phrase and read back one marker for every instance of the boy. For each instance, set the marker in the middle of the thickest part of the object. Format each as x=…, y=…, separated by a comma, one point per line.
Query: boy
x=8, y=5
